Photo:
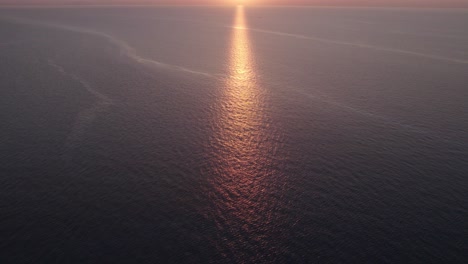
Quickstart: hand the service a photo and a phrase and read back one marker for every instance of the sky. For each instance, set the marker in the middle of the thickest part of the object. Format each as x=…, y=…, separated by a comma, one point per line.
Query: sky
x=412, y=3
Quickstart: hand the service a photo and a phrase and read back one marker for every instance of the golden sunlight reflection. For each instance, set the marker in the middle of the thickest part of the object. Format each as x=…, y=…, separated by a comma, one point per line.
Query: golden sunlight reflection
x=241, y=115
x=245, y=144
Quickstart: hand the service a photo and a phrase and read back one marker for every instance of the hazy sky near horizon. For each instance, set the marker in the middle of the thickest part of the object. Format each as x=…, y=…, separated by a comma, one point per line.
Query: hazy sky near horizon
x=416, y=3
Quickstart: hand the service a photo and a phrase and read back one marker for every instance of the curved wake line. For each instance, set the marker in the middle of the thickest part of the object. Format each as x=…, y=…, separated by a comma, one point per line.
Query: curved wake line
x=7, y=43
x=357, y=45
x=172, y=67
x=81, y=81
x=86, y=117
x=376, y=117
x=125, y=49
x=331, y=41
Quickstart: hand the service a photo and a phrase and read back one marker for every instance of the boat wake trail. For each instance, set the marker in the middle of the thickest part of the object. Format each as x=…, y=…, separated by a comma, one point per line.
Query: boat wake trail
x=328, y=41
x=85, y=118
x=125, y=49
x=375, y=117
x=357, y=45
x=8, y=43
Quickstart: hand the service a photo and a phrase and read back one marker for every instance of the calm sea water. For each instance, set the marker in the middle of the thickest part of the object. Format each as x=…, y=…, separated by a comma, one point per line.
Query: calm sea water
x=233, y=135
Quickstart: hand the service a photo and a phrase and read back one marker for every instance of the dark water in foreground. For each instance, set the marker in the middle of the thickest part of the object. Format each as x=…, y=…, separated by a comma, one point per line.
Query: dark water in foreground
x=223, y=135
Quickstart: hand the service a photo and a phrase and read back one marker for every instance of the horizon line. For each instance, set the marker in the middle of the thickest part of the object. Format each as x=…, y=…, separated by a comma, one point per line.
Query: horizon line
x=49, y=5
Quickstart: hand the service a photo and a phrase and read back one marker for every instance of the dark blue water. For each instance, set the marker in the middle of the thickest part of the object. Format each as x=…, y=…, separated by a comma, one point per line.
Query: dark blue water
x=232, y=135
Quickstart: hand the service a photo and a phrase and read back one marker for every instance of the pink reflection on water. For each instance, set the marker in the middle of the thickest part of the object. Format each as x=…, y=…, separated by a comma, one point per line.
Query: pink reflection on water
x=245, y=143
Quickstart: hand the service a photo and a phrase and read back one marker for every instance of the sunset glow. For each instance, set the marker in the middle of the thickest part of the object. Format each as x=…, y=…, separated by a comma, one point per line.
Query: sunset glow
x=376, y=3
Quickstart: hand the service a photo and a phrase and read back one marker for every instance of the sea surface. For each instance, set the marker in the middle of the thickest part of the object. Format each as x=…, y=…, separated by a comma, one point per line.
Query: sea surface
x=233, y=135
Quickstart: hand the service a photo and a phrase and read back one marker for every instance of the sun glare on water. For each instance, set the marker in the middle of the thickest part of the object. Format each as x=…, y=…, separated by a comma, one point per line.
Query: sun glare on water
x=242, y=164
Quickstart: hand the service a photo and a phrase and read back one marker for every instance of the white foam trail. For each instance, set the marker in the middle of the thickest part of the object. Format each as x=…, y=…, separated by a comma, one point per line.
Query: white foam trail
x=7, y=43
x=358, y=45
x=331, y=41
x=90, y=114
x=171, y=67
x=427, y=33
x=81, y=81
x=375, y=117
x=86, y=117
x=125, y=49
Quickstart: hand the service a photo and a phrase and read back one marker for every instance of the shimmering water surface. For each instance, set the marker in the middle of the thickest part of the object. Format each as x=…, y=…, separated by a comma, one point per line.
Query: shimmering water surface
x=233, y=135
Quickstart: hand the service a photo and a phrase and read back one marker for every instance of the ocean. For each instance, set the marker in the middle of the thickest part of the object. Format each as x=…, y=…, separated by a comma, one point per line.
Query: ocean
x=233, y=135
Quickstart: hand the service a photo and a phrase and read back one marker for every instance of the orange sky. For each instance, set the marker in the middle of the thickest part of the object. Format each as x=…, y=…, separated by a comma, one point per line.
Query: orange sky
x=416, y=3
